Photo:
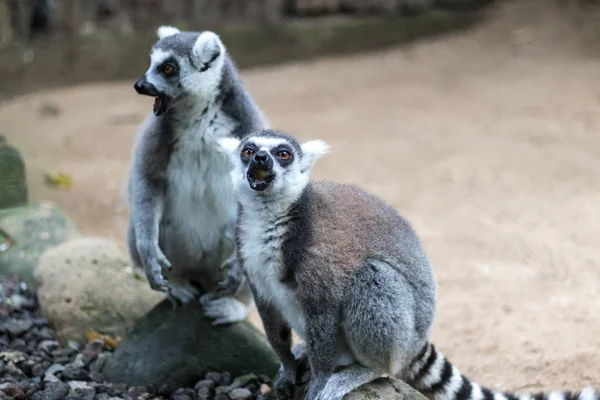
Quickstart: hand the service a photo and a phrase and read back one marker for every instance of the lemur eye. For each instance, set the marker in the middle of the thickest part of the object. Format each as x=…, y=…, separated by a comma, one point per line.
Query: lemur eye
x=247, y=152
x=168, y=69
x=284, y=155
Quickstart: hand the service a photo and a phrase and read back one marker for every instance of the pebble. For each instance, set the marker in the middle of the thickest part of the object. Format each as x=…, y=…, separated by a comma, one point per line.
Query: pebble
x=17, y=327
x=76, y=374
x=205, y=389
x=53, y=391
x=13, y=391
x=48, y=345
x=265, y=389
x=33, y=365
x=240, y=394
x=225, y=379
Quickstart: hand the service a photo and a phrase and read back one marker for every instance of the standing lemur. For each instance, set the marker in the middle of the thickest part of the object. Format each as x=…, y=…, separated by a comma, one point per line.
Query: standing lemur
x=183, y=204
x=346, y=272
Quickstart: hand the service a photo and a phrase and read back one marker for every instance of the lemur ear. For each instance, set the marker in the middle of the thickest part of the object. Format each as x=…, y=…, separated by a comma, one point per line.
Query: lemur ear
x=229, y=145
x=166, y=30
x=207, y=49
x=312, y=151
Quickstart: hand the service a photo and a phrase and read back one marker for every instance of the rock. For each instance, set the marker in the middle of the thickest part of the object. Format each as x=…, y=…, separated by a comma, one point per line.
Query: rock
x=98, y=363
x=180, y=346
x=19, y=302
x=34, y=229
x=53, y=391
x=240, y=394
x=13, y=391
x=87, y=283
x=183, y=394
x=225, y=379
x=48, y=345
x=205, y=389
x=244, y=380
x=82, y=393
x=13, y=184
x=96, y=377
x=265, y=389
x=75, y=374
x=17, y=327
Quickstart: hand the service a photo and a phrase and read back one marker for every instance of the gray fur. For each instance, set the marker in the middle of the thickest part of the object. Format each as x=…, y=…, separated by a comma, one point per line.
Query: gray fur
x=349, y=274
x=183, y=205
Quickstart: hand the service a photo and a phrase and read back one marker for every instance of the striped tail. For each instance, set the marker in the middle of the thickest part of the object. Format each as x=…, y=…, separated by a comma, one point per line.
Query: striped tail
x=433, y=375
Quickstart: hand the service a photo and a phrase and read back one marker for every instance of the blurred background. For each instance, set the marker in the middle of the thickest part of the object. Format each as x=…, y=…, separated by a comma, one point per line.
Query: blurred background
x=477, y=120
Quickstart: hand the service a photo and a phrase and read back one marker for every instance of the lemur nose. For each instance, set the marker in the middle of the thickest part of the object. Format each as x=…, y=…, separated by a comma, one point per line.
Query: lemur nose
x=261, y=157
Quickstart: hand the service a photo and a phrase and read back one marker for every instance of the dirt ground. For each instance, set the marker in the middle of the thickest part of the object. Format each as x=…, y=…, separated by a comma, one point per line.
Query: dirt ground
x=487, y=141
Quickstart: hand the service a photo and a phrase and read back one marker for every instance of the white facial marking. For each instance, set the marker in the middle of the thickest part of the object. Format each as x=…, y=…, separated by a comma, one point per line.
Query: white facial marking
x=166, y=30
x=156, y=58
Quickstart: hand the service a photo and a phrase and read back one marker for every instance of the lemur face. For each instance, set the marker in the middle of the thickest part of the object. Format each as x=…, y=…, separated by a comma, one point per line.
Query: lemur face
x=265, y=159
x=181, y=64
x=272, y=163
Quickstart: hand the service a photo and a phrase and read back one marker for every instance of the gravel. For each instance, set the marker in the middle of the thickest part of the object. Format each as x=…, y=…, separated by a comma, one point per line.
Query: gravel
x=33, y=365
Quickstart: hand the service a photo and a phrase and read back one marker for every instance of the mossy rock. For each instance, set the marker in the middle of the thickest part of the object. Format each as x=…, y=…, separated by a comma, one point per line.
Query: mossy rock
x=179, y=346
x=33, y=229
x=13, y=184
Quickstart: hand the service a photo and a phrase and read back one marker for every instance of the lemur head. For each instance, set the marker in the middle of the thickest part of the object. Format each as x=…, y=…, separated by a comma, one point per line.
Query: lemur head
x=272, y=163
x=182, y=64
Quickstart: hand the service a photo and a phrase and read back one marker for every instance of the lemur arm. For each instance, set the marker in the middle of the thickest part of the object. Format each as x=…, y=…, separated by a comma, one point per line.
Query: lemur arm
x=147, y=190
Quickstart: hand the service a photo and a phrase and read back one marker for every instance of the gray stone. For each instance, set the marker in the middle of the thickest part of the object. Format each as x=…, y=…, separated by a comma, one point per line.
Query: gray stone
x=180, y=346
x=13, y=184
x=75, y=374
x=240, y=394
x=48, y=345
x=53, y=391
x=34, y=229
x=17, y=327
x=88, y=283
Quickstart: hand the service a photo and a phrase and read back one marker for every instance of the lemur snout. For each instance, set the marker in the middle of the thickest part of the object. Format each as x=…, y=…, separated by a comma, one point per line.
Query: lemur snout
x=261, y=157
x=142, y=86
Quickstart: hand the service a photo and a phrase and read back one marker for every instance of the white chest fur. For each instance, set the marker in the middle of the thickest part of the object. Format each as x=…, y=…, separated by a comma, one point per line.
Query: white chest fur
x=201, y=200
x=262, y=264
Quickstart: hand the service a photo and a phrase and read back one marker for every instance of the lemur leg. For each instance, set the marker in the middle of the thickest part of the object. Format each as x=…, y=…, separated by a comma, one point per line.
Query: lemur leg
x=279, y=335
x=343, y=382
x=323, y=339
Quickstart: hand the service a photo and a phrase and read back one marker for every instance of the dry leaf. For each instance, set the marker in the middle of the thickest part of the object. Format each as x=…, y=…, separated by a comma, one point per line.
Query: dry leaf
x=58, y=180
x=110, y=342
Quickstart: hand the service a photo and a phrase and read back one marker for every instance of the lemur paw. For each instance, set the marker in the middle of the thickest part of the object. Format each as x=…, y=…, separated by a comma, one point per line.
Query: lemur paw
x=154, y=261
x=223, y=310
x=234, y=280
x=181, y=293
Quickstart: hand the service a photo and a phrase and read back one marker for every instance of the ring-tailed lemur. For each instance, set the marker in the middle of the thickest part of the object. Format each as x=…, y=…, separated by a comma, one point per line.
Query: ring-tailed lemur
x=183, y=204
x=346, y=272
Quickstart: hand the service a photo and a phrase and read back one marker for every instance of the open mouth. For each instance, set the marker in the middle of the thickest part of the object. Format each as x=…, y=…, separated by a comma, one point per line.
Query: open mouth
x=259, y=178
x=161, y=105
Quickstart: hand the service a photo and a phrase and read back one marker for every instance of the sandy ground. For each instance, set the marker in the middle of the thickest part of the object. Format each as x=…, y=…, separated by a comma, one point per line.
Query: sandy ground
x=491, y=150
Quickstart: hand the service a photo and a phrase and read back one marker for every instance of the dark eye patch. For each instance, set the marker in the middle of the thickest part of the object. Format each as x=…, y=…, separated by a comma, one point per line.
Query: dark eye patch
x=169, y=68
x=247, y=146
x=277, y=154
